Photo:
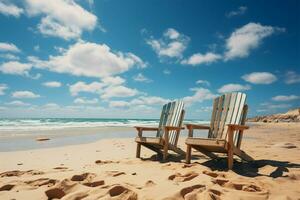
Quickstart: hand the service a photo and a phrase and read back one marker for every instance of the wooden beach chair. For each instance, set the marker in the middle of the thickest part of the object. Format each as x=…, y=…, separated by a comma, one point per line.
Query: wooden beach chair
x=226, y=129
x=167, y=133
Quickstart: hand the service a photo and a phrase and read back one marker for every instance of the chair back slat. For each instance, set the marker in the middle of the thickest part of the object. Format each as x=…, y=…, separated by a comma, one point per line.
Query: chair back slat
x=163, y=119
x=228, y=109
x=172, y=115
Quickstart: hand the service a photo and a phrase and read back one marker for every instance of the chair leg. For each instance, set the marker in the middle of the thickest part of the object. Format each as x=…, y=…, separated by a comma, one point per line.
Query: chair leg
x=188, y=154
x=138, y=150
x=165, y=153
x=230, y=158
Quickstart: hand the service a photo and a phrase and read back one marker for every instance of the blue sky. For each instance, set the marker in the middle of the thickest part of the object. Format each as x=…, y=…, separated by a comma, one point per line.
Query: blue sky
x=109, y=58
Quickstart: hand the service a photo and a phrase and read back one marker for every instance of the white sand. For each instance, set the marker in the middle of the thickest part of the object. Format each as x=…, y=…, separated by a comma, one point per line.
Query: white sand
x=71, y=172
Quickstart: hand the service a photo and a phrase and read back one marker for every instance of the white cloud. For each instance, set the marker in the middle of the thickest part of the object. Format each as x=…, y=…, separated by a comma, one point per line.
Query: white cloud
x=199, y=58
x=90, y=60
x=233, y=88
x=240, y=11
x=167, y=72
x=17, y=103
x=246, y=38
x=141, y=78
x=50, y=106
x=113, y=80
x=52, y=84
x=24, y=94
x=292, y=77
x=9, y=47
x=109, y=87
x=204, y=82
x=118, y=104
x=205, y=109
x=9, y=56
x=118, y=91
x=61, y=18
x=3, y=87
x=272, y=107
x=36, y=48
x=16, y=68
x=260, y=78
x=140, y=101
x=172, y=44
x=10, y=9
x=285, y=98
x=200, y=95
x=94, y=87
x=85, y=101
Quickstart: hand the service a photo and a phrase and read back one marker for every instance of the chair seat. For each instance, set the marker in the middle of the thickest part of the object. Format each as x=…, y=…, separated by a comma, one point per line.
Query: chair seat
x=208, y=144
x=149, y=140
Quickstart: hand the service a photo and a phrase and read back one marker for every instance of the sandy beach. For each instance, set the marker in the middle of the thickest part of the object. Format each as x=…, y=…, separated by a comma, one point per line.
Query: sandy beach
x=108, y=169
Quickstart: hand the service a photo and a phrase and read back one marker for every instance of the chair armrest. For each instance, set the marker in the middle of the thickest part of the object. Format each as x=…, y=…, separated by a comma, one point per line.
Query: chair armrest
x=196, y=126
x=171, y=128
x=237, y=127
x=141, y=128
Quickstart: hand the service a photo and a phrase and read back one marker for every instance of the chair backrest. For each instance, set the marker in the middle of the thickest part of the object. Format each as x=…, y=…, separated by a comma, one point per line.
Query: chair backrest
x=171, y=115
x=229, y=108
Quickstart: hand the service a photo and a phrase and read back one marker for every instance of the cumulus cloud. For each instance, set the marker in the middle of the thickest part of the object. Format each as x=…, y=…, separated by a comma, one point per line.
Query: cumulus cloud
x=9, y=56
x=10, y=9
x=204, y=82
x=25, y=95
x=199, y=58
x=140, y=101
x=285, y=98
x=52, y=84
x=240, y=11
x=231, y=87
x=17, y=103
x=16, y=68
x=94, y=87
x=200, y=94
x=260, y=78
x=61, y=18
x=171, y=45
x=9, y=47
x=141, y=78
x=3, y=87
x=90, y=60
x=118, y=91
x=292, y=77
x=247, y=38
x=85, y=101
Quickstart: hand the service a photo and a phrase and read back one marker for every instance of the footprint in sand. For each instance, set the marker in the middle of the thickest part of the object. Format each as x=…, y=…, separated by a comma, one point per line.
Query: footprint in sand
x=20, y=173
x=94, y=183
x=83, y=177
x=121, y=192
x=213, y=174
x=61, y=189
x=7, y=187
x=149, y=183
x=42, y=181
x=248, y=187
x=182, y=178
x=102, y=162
x=114, y=173
x=191, y=192
x=61, y=168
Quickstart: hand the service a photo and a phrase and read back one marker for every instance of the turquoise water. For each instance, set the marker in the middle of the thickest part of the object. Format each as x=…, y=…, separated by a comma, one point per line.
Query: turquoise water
x=21, y=134
x=61, y=123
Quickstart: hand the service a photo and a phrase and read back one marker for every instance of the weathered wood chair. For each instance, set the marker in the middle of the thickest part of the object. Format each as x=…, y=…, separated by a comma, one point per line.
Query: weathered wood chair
x=167, y=133
x=226, y=129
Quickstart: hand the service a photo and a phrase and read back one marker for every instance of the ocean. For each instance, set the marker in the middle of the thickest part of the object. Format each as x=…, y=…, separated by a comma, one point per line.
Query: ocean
x=28, y=124
x=21, y=134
